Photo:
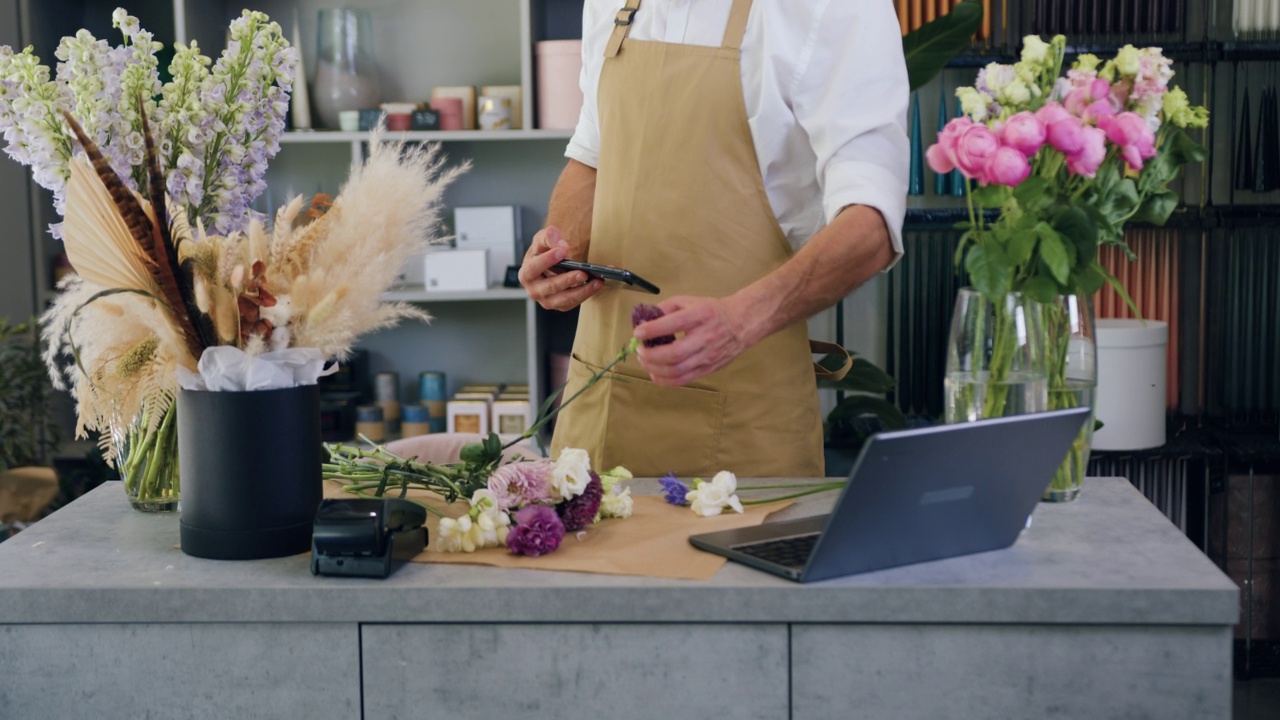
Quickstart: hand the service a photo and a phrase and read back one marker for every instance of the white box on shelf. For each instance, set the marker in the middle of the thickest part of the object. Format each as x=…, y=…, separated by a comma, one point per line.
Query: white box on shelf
x=511, y=417
x=456, y=270
x=468, y=416
x=494, y=228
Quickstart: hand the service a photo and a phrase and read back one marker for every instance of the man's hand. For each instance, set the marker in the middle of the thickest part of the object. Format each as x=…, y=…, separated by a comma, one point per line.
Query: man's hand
x=552, y=290
x=715, y=333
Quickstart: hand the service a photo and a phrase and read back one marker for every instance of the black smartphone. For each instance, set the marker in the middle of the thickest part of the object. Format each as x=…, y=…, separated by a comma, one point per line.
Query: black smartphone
x=616, y=277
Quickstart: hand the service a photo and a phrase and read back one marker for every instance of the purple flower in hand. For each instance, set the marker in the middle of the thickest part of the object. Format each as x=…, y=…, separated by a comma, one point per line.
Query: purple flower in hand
x=537, y=531
x=674, y=491
x=578, y=512
x=644, y=313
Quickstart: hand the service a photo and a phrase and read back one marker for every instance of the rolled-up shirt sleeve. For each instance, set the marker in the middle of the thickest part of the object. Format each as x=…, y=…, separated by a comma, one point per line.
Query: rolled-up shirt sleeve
x=584, y=146
x=851, y=96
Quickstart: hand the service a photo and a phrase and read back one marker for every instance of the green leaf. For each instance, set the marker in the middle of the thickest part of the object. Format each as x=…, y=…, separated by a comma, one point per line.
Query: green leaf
x=1033, y=194
x=1089, y=280
x=1075, y=227
x=1120, y=203
x=1054, y=254
x=1021, y=245
x=989, y=270
x=472, y=453
x=929, y=47
x=859, y=405
x=990, y=196
x=1157, y=208
x=1119, y=288
x=1041, y=289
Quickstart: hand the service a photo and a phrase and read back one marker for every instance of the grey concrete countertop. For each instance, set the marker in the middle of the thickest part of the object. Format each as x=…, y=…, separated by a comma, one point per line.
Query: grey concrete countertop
x=1108, y=558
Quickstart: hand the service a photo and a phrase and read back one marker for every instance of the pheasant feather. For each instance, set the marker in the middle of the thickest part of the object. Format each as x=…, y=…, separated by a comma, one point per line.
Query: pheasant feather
x=142, y=227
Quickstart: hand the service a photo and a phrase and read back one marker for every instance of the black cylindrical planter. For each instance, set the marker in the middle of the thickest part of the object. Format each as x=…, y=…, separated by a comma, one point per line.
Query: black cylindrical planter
x=250, y=464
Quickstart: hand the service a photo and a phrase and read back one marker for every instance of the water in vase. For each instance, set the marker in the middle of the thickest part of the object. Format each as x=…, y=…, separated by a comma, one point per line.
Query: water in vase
x=973, y=396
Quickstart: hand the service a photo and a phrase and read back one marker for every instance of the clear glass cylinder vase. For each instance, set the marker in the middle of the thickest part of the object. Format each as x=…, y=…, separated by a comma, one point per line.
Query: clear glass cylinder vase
x=346, y=74
x=146, y=456
x=995, y=358
x=1072, y=362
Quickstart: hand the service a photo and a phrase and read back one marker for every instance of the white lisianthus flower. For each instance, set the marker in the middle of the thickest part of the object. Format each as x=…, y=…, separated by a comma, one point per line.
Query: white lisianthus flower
x=1086, y=63
x=1128, y=60
x=711, y=498
x=571, y=473
x=1034, y=50
x=616, y=504
x=973, y=103
x=1015, y=93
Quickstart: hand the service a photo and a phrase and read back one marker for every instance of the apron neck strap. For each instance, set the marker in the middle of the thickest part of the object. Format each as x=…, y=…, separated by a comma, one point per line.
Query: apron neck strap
x=621, y=26
x=737, y=27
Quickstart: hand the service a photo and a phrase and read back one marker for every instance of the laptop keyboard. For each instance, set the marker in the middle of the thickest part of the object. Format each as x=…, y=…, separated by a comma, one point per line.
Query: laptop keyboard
x=788, y=552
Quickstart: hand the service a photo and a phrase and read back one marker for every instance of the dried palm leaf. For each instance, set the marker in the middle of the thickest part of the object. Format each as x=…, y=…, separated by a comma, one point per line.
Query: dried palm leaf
x=98, y=243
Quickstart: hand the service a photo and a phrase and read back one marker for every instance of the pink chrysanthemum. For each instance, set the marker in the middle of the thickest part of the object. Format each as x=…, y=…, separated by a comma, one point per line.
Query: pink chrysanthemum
x=520, y=483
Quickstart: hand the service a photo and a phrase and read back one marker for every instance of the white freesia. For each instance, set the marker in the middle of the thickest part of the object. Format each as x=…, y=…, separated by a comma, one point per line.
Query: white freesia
x=571, y=473
x=711, y=498
x=483, y=527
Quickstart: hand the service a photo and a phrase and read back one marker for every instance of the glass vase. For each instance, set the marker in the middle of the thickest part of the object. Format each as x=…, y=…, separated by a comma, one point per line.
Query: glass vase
x=1073, y=379
x=995, y=358
x=346, y=76
x=147, y=460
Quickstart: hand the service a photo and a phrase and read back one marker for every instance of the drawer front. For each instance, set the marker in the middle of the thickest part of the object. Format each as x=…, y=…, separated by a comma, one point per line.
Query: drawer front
x=586, y=671
x=926, y=672
x=297, y=670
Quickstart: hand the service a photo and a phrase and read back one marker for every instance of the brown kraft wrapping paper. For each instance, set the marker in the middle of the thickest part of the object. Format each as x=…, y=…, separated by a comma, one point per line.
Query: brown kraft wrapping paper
x=653, y=542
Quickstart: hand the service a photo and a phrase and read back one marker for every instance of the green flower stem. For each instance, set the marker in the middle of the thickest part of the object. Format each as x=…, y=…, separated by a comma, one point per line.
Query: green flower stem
x=792, y=496
x=150, y=466
x=622, y=355
x=1002, y=347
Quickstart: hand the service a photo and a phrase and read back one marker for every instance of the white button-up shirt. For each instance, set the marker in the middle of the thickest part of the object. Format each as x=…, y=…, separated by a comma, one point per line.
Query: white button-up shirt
x=826, y=94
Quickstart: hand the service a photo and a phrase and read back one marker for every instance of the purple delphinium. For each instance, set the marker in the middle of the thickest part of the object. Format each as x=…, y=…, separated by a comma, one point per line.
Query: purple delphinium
x=538, y=531
x=644, y=313
x=673, y=491
x=578, y=512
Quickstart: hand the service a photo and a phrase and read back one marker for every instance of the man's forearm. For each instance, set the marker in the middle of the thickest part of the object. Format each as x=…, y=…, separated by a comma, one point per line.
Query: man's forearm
x=571, y=204
x=838, y=259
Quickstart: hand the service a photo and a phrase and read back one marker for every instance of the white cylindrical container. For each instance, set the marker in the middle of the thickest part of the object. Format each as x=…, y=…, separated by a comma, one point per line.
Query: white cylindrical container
x=559, y=94
x=1130, y=400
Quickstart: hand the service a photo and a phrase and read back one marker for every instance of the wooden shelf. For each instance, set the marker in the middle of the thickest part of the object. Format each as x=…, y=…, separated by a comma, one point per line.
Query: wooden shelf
x=333, y=136
x=418, y=294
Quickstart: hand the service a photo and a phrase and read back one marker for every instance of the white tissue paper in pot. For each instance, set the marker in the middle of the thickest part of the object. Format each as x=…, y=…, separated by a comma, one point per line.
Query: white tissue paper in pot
x=229, y=369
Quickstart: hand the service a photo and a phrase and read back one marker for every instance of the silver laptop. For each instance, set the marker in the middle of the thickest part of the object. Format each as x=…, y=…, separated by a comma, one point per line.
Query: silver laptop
x=917, y=495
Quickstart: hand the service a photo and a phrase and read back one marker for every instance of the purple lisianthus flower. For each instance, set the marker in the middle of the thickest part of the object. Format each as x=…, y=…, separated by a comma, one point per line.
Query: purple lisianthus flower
x=579, y=511
x=538, y=531
x=674, y=491
x=644, y=313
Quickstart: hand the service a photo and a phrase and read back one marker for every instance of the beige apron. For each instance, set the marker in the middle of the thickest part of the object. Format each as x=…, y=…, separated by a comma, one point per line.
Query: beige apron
x=680, y=201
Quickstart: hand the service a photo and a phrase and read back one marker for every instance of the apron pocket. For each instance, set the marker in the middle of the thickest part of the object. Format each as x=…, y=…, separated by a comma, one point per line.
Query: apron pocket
x=653, y=430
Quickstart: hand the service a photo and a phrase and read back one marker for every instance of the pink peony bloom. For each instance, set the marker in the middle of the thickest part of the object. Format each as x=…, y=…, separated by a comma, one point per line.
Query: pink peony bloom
x=1008, y=167
x=975, y=148
x=942, y=154
x=1091, y=101
x=1130, y=132
x=520, y=483
x=1025, y=133
x=1064, y=131
x=1092, y=152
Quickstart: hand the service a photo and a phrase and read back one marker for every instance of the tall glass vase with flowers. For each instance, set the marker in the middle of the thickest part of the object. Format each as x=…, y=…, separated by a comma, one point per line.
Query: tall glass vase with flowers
x=166, y=158
x=1065, y=161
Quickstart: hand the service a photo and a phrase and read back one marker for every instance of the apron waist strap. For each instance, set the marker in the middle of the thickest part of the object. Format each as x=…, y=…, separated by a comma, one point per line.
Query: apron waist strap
x=819, y=346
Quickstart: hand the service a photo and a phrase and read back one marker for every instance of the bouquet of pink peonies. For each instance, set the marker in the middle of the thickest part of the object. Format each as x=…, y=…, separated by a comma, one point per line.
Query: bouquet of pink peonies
x=1067, y=161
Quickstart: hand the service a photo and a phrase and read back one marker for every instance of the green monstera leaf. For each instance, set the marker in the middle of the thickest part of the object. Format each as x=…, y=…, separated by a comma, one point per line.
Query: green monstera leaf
x=931, y=46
